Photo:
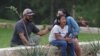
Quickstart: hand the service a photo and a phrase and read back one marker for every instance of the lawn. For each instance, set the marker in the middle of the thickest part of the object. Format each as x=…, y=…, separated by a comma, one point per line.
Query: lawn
x=6, y=35
x=7, y=21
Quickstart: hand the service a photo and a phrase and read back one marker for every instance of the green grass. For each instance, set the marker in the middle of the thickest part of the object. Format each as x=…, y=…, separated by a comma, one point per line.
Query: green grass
x=82, y=37
x=6, y=35
x=7, y=21
x=89, y=37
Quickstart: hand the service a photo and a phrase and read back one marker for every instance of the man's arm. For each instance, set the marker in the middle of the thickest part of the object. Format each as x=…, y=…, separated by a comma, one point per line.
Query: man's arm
x=43, y=32
x=23, y=39
x=20, y=31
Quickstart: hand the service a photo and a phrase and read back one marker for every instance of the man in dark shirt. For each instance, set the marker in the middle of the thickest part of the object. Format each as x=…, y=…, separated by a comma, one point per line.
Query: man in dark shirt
x=24, y=28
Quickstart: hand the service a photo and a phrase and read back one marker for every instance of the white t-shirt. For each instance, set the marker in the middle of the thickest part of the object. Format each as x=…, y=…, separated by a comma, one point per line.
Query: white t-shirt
x=57, y=29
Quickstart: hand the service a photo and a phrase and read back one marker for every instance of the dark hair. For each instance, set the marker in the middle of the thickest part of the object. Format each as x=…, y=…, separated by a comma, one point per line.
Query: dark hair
x=58, y=18
x=65, y=12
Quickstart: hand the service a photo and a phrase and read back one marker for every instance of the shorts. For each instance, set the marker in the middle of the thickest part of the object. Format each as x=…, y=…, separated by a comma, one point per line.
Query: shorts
x=73, y=36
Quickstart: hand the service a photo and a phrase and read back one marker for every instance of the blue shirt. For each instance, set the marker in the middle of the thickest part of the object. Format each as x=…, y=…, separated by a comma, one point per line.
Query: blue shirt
x=73, y=27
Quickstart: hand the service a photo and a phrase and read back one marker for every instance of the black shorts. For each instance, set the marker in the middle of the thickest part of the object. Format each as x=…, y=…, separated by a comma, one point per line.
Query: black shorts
x=76, y=36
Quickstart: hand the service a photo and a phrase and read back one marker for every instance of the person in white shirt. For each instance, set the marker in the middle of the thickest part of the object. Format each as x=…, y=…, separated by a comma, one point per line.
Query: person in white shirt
x=58, y=33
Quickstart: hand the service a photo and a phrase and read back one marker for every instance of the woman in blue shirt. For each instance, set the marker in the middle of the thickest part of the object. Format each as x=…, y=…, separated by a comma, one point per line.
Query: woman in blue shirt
x=73, y=30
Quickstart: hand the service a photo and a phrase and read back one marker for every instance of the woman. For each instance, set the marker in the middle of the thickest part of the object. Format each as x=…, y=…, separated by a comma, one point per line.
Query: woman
x=73, y=30
x=58, y=33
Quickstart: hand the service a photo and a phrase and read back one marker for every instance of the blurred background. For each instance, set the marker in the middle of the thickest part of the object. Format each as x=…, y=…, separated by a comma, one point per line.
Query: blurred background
x=46, y=10
x=85, y=12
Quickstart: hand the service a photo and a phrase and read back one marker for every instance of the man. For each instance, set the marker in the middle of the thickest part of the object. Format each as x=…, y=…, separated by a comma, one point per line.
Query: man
x=73, y=30
x=23, y=28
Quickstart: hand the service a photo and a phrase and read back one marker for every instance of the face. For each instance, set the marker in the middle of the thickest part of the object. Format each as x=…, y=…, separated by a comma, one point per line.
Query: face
x=29, y=18
x=62, y=20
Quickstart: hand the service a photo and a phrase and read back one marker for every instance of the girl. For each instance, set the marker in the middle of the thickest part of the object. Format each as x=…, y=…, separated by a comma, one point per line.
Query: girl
x=58, y=33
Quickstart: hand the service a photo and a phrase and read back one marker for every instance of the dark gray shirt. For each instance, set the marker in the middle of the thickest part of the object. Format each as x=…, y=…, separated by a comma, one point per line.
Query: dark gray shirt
x=20, y=27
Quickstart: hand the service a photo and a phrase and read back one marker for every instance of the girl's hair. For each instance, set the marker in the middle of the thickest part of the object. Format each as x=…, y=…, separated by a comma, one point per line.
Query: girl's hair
x=65, y=12
x=58, y=18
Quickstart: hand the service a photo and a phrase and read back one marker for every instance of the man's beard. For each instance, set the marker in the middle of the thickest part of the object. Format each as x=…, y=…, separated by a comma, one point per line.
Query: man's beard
x=28, y=20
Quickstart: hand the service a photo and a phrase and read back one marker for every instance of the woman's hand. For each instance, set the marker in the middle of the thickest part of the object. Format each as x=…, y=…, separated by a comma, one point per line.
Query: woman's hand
x=68, y=39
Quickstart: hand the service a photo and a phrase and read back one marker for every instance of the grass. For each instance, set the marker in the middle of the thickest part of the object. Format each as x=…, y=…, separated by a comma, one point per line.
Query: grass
x=6, y=35
x=88, y=37
x=7, y=21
